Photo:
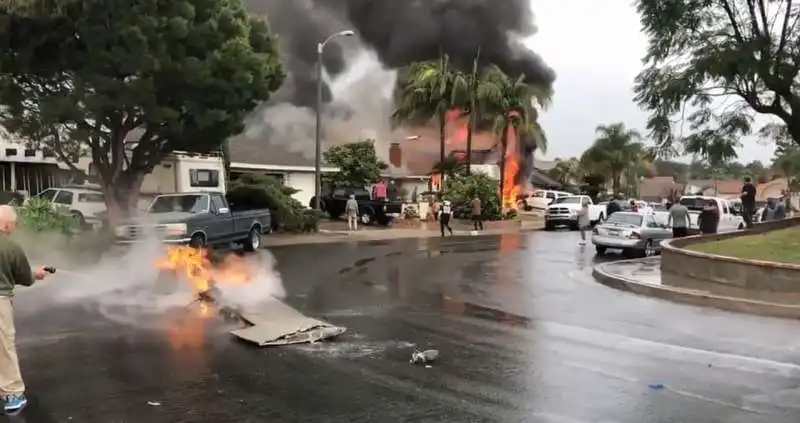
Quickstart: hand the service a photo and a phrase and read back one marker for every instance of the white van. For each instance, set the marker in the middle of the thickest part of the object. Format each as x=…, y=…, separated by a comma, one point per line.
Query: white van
x=540, y=199
x=729, y=218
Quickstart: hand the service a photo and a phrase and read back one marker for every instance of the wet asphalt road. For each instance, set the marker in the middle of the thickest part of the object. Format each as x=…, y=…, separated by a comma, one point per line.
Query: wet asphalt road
x=524, y=333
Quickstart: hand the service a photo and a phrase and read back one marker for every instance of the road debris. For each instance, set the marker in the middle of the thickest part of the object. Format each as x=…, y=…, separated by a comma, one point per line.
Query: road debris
x=424, y=357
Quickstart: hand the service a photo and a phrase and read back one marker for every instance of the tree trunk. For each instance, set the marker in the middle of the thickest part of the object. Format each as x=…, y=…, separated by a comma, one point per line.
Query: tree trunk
x=470, y=128
x=122, y=195
x=503, y=144
x=442, y=136
x=616, y=182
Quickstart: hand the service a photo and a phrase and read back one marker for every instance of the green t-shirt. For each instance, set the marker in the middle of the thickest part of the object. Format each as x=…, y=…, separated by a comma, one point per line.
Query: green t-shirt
x=14, y=267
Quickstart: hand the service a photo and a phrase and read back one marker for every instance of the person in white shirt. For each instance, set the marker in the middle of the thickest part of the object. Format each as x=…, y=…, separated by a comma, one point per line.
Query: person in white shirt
x=583, y=220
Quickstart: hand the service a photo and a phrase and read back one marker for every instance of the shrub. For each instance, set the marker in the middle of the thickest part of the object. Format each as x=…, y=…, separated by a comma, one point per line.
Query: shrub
x=38, y=215
x=261, y=191
x=460, y=189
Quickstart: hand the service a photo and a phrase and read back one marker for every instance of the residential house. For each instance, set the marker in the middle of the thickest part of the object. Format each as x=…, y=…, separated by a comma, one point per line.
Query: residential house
x=27, y=170
x=295, y=169
x=658, y=188
x=724, y=188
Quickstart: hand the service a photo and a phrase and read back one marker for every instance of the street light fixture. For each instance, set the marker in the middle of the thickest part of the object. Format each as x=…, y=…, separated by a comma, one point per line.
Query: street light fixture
x=318, y=132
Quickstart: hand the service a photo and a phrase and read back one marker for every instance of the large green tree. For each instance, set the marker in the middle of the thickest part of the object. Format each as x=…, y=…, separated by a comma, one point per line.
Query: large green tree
x=714, y=64
x=131, y=81
x=514, y=106
x=614, y=152
x=429, y=91
x=358, y=164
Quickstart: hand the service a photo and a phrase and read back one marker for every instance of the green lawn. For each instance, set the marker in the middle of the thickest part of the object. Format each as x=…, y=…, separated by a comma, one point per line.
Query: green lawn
x=782, y=245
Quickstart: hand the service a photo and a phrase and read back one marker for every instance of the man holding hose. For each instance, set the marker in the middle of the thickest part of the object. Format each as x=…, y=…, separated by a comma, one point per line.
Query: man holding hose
x=14, y=270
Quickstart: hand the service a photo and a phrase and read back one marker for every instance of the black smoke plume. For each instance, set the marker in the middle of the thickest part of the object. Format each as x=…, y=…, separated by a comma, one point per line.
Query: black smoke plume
x=400, y=32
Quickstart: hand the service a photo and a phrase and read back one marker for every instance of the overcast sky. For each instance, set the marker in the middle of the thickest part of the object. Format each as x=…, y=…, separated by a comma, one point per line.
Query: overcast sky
x=595, y=48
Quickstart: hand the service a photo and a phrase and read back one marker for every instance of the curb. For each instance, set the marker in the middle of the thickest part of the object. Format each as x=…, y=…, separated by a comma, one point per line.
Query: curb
x=697, y=298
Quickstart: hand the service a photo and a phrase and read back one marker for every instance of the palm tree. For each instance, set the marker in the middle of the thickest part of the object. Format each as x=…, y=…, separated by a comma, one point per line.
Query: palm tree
x=512, y=104
x=613, y=152
x=429, y=90
x=566, y=171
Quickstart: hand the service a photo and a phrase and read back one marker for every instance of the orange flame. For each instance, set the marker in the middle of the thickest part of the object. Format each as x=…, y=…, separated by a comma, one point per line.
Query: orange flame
x=511, y=188
x=456, y=117
x=194, y=266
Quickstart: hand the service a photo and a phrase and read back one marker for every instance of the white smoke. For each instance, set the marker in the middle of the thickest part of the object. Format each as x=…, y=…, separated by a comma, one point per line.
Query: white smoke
x=360, y=108
x=129, y=289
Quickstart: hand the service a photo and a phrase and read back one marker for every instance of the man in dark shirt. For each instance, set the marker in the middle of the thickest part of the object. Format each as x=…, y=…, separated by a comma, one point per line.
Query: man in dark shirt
x=748, y=198
x=14, y=270
x=612, y=207
x=708, y=221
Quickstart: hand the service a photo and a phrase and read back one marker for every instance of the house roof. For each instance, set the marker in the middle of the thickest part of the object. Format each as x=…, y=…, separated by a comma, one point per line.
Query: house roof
x=658, y=187
x=259, y=151
x=540, y=178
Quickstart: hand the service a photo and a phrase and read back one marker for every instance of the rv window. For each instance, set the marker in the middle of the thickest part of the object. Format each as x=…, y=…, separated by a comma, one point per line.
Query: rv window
x=207, y=178
x=91, y=198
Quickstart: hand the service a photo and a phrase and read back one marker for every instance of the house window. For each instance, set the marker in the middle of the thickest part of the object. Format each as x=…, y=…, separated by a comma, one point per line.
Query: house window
x=11, y=151
x=205, y=178
x=30, y=152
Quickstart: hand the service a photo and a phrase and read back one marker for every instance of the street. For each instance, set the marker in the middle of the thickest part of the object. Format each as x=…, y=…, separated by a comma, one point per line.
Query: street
x=524, y=332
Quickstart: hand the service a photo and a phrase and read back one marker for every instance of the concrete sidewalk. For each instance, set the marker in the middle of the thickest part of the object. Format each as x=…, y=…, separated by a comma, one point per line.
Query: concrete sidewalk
x=333, y=236
x=643, y=277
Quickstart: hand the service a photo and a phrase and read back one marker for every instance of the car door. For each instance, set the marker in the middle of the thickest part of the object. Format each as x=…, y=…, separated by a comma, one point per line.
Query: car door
x=63, y=200
x=221, y=219
x=655, y=229
x=724, y=216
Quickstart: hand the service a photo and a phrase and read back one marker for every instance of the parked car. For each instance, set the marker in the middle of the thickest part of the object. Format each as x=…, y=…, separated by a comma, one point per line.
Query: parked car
x=370, y=211
x=564, y=212
x=729, y=218
x=83, y=204
x=636, y=234
x=198, y=219
x=540, y=199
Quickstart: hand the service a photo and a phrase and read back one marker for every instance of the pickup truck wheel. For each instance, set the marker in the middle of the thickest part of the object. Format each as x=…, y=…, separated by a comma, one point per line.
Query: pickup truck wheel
x=366, y=218
x=599, y=250
x=197, y=241
x=253, y=240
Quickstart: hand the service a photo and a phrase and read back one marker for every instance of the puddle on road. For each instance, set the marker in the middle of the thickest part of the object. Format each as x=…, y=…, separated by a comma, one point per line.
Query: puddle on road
x=354, y=347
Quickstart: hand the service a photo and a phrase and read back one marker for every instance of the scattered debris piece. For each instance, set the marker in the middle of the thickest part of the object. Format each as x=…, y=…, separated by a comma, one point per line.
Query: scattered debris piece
x=656, y=385
x=153, y=403
x=424, y=357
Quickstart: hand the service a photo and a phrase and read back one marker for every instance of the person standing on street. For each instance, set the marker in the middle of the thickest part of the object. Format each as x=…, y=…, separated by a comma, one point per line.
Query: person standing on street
x=445, y=214
x=14, y=270
x=748, y=198
x=678, y=219
x=583, y=220
x=351, y=209
x=477, y=220
x=708, y=221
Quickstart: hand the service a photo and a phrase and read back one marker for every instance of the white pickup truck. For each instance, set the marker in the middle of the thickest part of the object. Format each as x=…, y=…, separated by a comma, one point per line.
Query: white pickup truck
x=729, y=219
x=563, y=211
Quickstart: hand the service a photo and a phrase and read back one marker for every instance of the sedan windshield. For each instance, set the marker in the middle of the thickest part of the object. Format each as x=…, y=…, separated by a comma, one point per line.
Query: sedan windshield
x=632, y=219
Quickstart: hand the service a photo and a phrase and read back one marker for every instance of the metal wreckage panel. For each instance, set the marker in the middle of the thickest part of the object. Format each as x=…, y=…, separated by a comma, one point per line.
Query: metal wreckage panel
x=276, y=323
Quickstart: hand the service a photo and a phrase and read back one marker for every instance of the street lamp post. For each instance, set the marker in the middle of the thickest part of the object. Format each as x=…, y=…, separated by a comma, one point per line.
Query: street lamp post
x=318, y=132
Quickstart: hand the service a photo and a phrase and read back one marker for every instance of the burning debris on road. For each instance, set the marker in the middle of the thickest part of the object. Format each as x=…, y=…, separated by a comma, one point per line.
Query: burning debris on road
x=270, y=323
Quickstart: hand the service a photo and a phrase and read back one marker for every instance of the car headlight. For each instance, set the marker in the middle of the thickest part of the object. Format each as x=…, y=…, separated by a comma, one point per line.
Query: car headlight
x=175, y=229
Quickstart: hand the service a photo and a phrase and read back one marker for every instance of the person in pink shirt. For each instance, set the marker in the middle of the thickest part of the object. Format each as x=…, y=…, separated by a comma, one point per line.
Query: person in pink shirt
x=379, y=190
